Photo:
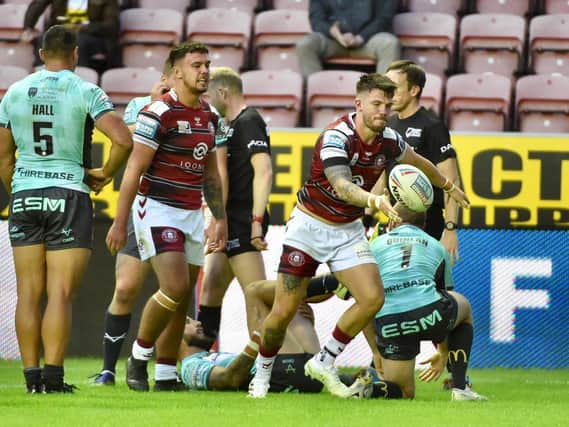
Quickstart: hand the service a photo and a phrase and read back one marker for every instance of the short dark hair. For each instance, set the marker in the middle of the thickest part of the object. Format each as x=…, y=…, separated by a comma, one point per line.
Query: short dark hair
x=414, y=73
x=411, y=217
x=182, y=49
x=369, y=82
x=226, y=77
x=59, y=41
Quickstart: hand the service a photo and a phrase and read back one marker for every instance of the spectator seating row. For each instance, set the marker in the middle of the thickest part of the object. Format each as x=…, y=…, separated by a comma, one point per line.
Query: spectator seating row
x=473, y=102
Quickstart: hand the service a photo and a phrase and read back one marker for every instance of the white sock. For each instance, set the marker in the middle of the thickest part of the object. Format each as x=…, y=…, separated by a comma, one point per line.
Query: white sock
x=330, y=350
x=165, y=372
x=141, y=353
x=264, y=367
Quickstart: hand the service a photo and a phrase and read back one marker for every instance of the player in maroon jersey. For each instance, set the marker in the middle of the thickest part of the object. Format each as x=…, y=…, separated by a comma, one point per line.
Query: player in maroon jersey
x=349, y=157
x=173, y=159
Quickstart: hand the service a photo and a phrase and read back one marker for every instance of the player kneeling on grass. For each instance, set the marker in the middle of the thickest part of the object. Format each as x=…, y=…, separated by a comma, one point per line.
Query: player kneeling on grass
x=411, y=264
x=203, y=370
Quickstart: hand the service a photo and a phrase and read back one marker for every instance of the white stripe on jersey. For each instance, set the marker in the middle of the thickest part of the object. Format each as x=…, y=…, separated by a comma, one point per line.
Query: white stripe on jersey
x=344, y=128
x=329, y=153
x=145, y=141
x=158, y=108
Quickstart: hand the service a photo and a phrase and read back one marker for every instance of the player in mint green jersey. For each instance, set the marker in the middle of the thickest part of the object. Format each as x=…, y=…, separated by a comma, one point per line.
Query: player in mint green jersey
x=416, y=270
x=48, y=118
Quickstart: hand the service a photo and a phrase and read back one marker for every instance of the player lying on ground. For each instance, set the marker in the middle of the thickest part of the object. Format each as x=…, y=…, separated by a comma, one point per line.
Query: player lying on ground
x=411, y=264
x=203, y=370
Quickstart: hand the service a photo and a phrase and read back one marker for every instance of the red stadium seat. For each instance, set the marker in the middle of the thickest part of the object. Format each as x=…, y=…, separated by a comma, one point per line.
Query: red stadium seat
x=276, y=94
x=329, y=94
x=542, y=104
x=123, y=84
x=147, y=36
x=549, y=44
x=432, y=95
x=553, y=7
x=492, y=42
x=247, y=6
x=478, y=102
x=452, y=7
x=8, y=75
x=514, y=7
x=12, y=52
x=276, y=34
x=225, y=31
x=428, y=39
x=87, y=74
x=177, y=5
x=291, y=4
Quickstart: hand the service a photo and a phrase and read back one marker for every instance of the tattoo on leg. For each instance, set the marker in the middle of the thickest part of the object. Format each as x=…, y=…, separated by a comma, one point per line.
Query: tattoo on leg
x=273, y=338
x=291, y=283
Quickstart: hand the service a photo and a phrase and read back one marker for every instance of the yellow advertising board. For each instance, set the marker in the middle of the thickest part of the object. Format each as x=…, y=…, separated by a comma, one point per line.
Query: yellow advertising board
x=512, y=180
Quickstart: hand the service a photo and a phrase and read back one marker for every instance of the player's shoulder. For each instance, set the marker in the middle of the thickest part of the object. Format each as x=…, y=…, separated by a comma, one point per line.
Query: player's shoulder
x=157, y=108
x=427, y=119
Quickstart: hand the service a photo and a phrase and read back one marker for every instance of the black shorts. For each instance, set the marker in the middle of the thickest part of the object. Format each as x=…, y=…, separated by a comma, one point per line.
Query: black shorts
x=239, y=231
x=131, y=247
x=399, y=335
x=288, y=375
x=59, y=217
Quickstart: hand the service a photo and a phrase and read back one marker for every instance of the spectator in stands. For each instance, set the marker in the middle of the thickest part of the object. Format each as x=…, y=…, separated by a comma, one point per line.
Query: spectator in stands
x=349, y=28
x=96, y=23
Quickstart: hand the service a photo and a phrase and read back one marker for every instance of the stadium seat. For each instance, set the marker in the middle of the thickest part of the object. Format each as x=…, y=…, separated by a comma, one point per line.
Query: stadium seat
x=123, y=84
x=177, y=5
x=225, y=31
x=87, y=74
x=514, y=7
x=247, y=6
x=492, y=42
x=553, y=7
x=329, y=94
x=452, y=7
x=549, y=44
x=276, y=94
x=428, y=39
x=12, y=52
x=275, y=36
x=291, y=4
x=432, y=95
x=147, y=36
x=478, y=102
x=8, y=75
x=542, y=104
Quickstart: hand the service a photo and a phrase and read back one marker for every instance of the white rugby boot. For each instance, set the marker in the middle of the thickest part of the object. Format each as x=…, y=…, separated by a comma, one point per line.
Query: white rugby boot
x=466, y=394
x=328, y=376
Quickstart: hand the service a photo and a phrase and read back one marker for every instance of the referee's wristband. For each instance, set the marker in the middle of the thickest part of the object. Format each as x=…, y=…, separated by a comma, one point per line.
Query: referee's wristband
x=257, y=218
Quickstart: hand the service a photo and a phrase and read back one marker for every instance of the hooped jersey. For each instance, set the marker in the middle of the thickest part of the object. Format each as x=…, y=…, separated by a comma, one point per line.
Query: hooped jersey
x=340, y=144
x=183, y=138
x=51, y=115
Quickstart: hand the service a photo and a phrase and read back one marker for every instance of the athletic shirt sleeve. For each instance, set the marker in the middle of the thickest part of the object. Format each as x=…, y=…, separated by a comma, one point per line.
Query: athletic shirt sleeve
x=395, y=145
x=4, y=118
x=438, y=141
x=255, y=134
x=335, y=148
x=148, y=124
x=133, y=108
x=98, y=102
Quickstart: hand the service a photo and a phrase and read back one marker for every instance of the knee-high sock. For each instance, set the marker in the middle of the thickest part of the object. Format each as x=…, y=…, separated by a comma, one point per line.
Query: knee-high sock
x=459, y=345
x=116, y=328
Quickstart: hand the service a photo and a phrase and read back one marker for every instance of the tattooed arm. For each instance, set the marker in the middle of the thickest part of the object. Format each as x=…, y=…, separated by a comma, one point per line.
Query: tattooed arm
x=216, y=234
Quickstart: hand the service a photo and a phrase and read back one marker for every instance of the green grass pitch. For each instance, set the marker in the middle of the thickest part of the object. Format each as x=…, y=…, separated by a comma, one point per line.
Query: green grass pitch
x=517, y=398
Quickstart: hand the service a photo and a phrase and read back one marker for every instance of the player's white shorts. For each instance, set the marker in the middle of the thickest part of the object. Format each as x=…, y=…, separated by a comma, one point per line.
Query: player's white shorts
x=341, y=246
x=162, y=228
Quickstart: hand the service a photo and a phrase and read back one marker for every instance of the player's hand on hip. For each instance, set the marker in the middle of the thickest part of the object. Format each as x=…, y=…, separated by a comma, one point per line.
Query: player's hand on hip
x=449, y=240
x=437, y=363
x=383, y=204
x=96, y=179
x=257, y=237
x=116, y=238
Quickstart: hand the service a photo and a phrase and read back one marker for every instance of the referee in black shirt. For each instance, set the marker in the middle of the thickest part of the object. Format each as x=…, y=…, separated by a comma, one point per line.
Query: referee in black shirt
x=428, y=136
